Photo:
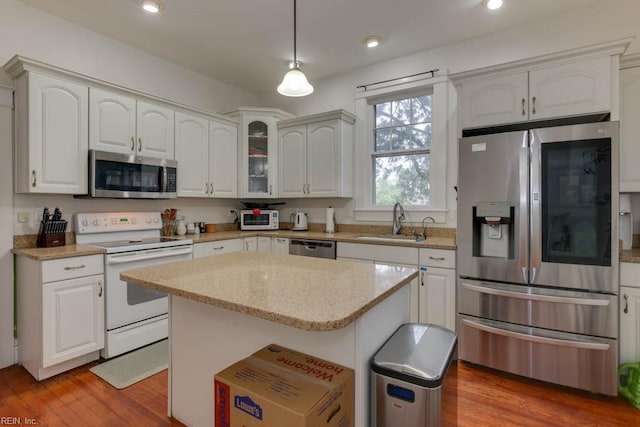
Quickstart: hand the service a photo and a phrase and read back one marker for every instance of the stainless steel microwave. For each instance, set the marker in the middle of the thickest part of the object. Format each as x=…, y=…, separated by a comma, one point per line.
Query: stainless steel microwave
x=125, y=176
x=259, y=219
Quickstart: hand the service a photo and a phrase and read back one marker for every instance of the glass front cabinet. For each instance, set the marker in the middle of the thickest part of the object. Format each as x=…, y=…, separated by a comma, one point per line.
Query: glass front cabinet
x=258, y=150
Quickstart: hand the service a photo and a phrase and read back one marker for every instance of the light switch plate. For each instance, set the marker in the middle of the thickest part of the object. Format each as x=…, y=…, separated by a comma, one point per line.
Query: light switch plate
x=23, y=217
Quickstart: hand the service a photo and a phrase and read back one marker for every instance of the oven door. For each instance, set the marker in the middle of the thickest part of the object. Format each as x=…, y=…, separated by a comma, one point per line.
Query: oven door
x=128, y=303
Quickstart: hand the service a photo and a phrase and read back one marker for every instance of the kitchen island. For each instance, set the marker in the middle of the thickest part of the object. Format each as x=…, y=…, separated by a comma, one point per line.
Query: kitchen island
x=223, y=308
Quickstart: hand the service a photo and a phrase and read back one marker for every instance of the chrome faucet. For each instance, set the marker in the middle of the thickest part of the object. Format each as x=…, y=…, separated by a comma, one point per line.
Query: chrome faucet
x=424, y=229
x=397, y=219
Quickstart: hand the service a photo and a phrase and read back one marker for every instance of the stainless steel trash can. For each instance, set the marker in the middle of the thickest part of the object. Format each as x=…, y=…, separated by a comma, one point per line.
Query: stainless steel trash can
x=407, y=374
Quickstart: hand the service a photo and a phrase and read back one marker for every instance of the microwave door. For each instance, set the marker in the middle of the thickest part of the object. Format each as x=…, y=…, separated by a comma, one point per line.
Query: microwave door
x=574, y=205
x=493, y=226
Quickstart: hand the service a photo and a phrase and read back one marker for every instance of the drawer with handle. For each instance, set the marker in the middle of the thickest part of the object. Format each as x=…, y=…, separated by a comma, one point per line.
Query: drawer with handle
x=442, y=258
x=69, y=268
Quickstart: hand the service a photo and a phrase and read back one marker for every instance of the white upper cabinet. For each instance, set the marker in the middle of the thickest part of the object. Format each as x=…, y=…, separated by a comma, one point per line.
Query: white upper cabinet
x=223, y=159
x=630, y=128
x=575, y=88
x=51, y=136
x=206, y=152
x=122, y=124
x=192, y=154
x=258, y=150
x=316, y=155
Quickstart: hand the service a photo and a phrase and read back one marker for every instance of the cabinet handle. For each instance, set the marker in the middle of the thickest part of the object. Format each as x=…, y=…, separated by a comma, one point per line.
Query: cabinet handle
x=218, y=248
x=626, y=303
x=133, y=144
x=206, y=188
x=211, y=192
x=304, y=190
x=270, y=189
x=280, y=240
x=437, y=258
x=246, y=246
x=139, y=144
x=35, y=181
x=75, y=267
x=100, y=291
x=533, y=100
x=523, y=110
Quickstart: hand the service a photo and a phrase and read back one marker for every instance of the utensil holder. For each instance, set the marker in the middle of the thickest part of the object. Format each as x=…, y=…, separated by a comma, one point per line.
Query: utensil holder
x=168, y=227
x=52, y=234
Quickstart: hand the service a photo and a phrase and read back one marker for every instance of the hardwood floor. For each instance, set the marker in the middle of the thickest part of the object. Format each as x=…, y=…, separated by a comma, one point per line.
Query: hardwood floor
x=471, y=396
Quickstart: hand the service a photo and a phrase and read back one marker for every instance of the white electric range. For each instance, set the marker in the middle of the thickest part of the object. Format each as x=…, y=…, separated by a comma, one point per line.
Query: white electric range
x=134, y=316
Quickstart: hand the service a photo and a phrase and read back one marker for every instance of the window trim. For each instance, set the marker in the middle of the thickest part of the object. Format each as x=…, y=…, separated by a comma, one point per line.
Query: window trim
x=440, y=89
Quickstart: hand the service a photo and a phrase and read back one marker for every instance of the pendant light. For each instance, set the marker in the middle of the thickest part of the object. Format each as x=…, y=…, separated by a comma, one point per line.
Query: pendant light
x=295, y=83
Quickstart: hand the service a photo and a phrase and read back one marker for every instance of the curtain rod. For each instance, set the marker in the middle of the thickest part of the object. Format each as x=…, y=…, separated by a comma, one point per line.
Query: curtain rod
x=432, y=72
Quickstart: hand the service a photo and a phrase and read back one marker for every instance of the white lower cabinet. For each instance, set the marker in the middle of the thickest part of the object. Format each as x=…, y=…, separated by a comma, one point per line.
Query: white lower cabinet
x=280, y=245
x=437, y=290
x=251, y=244
x=218, y=247
x=264, y=244
x=629, y=312
x=60, y=313
x=389, y=255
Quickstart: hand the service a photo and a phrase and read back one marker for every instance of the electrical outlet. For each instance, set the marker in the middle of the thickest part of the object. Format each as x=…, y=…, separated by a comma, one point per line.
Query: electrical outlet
x=23, y=217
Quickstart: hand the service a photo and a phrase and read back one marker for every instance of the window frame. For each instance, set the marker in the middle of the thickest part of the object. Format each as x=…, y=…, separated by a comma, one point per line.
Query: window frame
x=443, y=96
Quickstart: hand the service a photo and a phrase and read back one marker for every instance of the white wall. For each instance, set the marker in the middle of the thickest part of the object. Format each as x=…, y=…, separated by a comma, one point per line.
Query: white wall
x=35, y=34
x=606, y=20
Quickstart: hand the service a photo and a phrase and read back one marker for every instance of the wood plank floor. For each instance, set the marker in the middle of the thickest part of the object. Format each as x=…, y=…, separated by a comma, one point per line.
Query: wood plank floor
x=471, y=396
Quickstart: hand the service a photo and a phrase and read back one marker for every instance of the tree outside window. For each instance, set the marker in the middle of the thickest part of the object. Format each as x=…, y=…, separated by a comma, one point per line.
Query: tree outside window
x=400, y=160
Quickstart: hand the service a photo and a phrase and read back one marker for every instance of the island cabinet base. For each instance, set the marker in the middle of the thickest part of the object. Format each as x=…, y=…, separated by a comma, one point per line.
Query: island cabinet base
x=204, y=339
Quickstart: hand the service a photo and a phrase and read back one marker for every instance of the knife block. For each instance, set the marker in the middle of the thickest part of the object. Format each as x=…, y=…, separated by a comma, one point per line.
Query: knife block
x=52, y=234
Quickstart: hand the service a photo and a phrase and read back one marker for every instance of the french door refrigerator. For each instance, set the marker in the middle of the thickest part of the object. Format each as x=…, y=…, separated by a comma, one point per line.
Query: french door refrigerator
x=538, y=252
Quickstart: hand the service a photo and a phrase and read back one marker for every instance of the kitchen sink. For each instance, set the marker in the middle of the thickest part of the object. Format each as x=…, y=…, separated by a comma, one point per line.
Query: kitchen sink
x=387, y=239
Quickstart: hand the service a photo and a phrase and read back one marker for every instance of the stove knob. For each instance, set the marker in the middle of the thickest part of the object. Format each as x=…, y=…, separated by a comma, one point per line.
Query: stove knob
x=133, y=221
x=156, y=220
x=148, y=220
x=96, y=222
x=85, y=222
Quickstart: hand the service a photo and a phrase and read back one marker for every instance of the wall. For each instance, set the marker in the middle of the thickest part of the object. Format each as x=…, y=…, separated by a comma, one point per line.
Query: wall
x=604, y=21
x=35, y=34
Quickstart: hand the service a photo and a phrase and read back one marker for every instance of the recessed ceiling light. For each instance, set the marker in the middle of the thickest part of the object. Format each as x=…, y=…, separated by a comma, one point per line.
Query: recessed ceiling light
x=152, y=6
x=493, y=4
x=372, y=41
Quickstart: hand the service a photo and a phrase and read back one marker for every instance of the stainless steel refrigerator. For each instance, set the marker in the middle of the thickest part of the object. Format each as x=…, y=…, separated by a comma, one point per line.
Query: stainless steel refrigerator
x=538, y=253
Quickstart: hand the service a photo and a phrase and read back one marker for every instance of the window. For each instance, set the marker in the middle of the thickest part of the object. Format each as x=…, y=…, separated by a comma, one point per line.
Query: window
x=400, y=158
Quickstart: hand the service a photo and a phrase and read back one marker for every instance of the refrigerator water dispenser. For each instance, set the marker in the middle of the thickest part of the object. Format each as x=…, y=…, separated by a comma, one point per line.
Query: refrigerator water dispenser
x=493, y=234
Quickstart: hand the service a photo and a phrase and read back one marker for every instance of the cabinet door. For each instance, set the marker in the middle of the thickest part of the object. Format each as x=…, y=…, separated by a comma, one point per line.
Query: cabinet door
x=629, y=324
x=58, y=136
x=251, y=244
x=72, y=318
x=259, y=157
x=112, y=122
x=223, y=160
x=264, y=244
x=323, y=158
x=192, y=154
x=582, y=87
x=280, y=245
x=437, y=295
x=217, y=248
x=495, y=100
x=629, y=129
x=155, y=126
x=292, y=150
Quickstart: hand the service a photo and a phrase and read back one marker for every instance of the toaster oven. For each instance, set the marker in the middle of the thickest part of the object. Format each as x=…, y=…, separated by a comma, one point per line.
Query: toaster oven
x=259, y=219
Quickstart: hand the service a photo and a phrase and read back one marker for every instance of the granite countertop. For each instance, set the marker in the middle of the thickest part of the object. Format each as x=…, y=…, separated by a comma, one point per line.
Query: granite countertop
x=630, y=255
x=307, y=293
x=67, y=251
x=430, y=242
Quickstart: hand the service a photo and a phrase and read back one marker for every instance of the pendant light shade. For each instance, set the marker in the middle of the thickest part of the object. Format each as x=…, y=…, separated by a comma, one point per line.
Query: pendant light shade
x=295, y=83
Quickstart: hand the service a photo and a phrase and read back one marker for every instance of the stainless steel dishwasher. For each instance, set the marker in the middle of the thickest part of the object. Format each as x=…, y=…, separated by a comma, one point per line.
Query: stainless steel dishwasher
x=313, y=248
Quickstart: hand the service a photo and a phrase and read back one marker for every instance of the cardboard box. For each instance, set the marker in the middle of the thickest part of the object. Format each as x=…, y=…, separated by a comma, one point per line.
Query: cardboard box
x=278, y=387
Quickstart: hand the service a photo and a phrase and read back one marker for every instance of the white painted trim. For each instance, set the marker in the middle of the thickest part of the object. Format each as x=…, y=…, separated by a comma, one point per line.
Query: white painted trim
x=402, y=85
x=630, y=61
x=613, y=47
x=18, y=65
x=277, y=113
x=6, y=96
x=320, y=117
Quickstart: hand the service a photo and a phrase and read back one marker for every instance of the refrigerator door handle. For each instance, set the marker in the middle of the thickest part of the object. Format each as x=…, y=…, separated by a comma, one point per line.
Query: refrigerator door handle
x=536, y=203
x=523, y=227
x=539, y=298
x=535, y=338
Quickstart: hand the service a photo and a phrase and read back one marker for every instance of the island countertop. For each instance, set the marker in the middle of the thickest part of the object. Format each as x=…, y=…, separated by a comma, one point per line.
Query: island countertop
x=303, y=292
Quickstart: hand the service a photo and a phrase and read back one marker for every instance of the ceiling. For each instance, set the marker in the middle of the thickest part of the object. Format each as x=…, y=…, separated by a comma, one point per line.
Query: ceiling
x=246, y=43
